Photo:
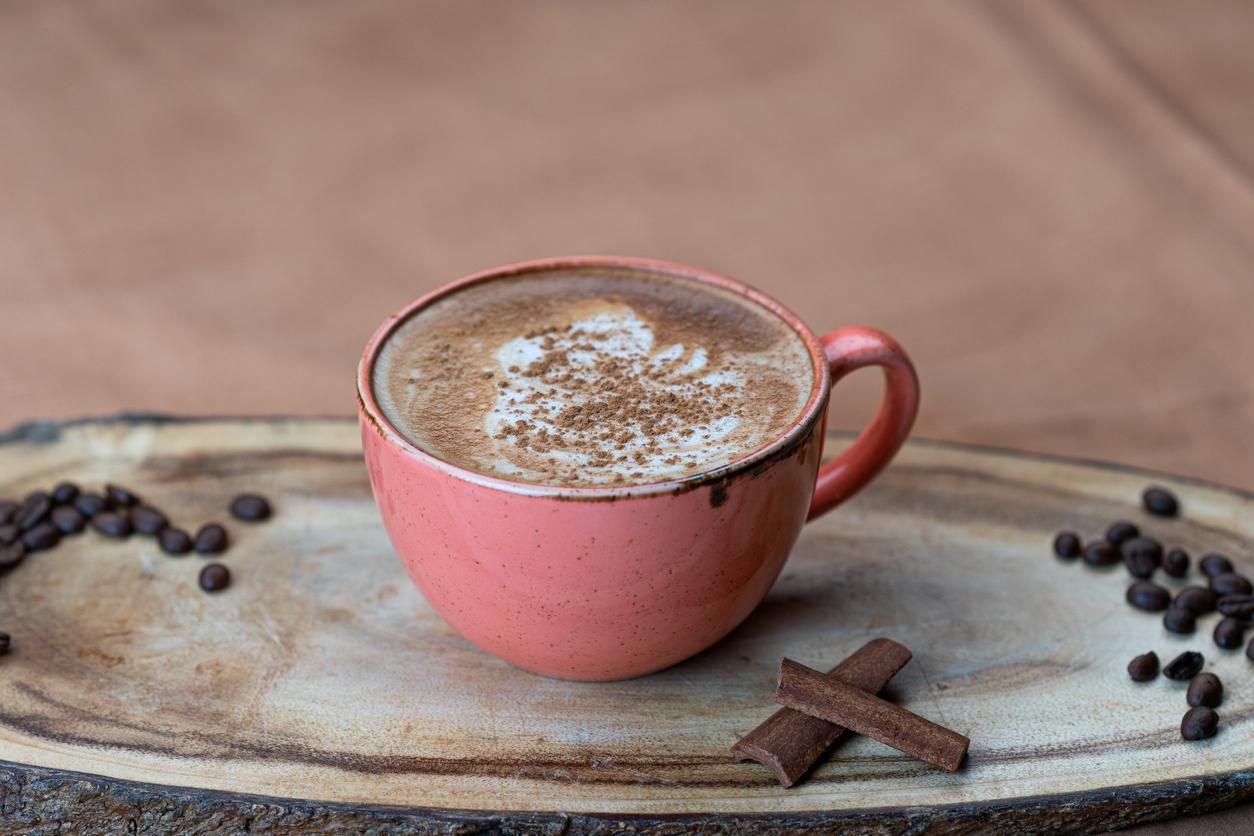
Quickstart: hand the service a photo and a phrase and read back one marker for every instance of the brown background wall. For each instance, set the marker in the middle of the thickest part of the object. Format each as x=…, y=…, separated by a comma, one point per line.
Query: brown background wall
x=207, y=207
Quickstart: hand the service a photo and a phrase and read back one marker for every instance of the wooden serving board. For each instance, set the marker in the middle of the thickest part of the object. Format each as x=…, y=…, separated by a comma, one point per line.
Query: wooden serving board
x=320, y=691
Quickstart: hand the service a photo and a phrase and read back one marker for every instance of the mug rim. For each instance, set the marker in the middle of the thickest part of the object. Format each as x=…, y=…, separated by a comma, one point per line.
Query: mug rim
x=814, y=407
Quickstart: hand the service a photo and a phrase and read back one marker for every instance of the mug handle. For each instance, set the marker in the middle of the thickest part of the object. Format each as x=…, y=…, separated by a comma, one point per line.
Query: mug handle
x=846, y=350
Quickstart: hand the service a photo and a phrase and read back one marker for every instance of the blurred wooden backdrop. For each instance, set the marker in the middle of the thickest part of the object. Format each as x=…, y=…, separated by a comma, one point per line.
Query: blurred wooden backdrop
x=207, y=207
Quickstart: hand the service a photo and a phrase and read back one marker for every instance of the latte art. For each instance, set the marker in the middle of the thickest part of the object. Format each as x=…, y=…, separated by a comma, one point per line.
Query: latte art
x=601, y=402
x=612, y=379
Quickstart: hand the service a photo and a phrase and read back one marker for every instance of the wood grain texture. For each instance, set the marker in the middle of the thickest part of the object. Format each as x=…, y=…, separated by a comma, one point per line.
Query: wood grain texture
x=321, y=688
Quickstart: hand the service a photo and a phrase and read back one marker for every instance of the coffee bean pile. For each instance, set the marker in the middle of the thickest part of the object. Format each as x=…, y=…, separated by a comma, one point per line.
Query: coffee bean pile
x=1225, y=591
x=1230, y=593
x=43, y=518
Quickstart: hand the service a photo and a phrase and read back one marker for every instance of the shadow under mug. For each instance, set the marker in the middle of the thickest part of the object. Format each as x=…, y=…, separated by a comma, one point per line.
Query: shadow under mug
x=602, y=583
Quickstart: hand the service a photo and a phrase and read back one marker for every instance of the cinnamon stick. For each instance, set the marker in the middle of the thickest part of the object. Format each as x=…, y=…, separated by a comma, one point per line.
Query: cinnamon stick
x=789, y=742
x=811, y=692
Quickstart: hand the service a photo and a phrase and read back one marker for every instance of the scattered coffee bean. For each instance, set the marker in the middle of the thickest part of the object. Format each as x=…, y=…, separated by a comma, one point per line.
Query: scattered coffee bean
x=1199, y=723
x=1230, y=583
x=214, y=577
x=11, y=555
x=1237, y=606
x=111, y=525
x=147, y=520
x=33, y=510
x=120, y=497
x=1100, y=553
x=1144, y=667
x=1120, y=531
x=8, y=533
x=1160, y=502
x=1185, y=666
x=1205, y=689
x=1197, y=598
x=5, y=643
x=1145, y=595
x=1142, y=556
x=1249, y=650
x=1214, y=564
x=8, y=509
x=68, y=520
x=1067, y=545
x=211, y=539
x=1229, y=634
x=90, y=504
x=1176, y=563
x=253, y=508
x=174, y=540
x=1180, y=620
x=65, y=493
x=40, y=538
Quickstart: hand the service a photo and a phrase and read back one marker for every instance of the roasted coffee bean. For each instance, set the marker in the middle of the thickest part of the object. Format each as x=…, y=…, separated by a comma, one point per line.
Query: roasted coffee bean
x=1205, y=689
x=90, y=504
x=40, y=538
x=253, y=508
x=1180, y=620
x=211, y=539
x=5, y=643
x=68, y=520
x=1197, y=598
x=1144, y=545
x=1142, y=556
x=1199, y=723
x=174, y=540
x=8, y=533
x=214, y=577
x=65, y=493
x=1214, y=564
x=33, y=511
x=11, y=555
x=1120, y=531
x=1185, y=666
x=1067, y=545
x=1176, y=563
x=120, y=497
x=8, y=510
x=1249, y=650
x=1230, y=583
x=111, y=525
x=147, y=520
x=1144, y=667
x=1160, y=502
x=1237, y=606
x=1230, y=634
x=1100, y=553
x=1145, y=595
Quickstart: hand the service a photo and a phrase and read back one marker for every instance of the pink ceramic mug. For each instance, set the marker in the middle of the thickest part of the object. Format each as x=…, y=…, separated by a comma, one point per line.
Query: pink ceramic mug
x=603, y=583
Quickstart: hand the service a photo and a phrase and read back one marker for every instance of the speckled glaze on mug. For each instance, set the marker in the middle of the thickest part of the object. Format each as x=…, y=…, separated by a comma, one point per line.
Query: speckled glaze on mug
x=601, y=583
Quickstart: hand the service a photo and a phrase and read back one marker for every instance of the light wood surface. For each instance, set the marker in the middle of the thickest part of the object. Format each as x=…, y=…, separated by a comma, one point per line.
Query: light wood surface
x=321, y=678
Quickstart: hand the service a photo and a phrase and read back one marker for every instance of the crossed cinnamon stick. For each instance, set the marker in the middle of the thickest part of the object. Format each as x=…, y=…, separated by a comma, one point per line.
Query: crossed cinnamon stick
x=821, y=707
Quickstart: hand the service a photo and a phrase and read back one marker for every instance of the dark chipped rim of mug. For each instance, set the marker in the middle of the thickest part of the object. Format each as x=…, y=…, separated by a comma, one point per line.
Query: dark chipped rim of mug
x=797, y=431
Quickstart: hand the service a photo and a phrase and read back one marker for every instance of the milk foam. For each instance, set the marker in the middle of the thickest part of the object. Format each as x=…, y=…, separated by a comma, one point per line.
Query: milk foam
x=571, y=379
x=621, y=334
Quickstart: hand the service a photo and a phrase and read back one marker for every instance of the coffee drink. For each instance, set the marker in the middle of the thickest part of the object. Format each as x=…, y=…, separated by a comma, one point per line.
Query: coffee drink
x=592, y=377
